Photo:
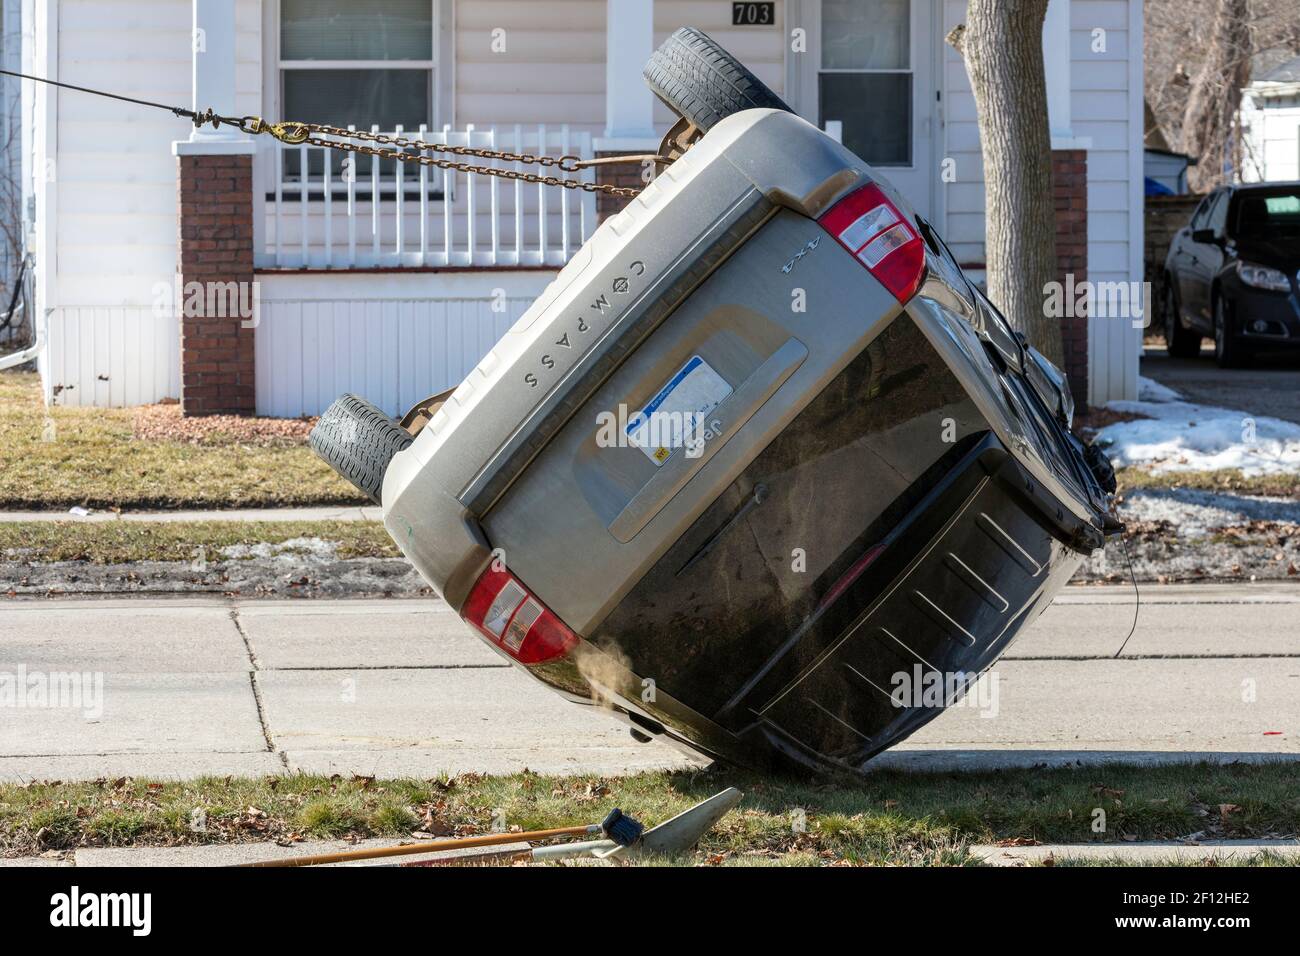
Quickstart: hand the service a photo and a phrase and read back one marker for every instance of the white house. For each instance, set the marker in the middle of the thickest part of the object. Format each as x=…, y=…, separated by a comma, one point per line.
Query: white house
x=1270, y=124
x=393, y=282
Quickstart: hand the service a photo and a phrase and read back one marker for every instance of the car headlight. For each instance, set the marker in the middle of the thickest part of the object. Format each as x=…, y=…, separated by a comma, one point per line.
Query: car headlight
x=1262, y=277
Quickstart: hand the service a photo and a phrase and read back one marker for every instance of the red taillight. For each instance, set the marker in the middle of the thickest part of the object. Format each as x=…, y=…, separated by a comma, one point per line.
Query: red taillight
x=512, y=617
x=871, y=227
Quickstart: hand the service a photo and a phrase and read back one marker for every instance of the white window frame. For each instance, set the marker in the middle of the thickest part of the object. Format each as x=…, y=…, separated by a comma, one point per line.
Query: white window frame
x=909, y=72
x=440, y=69
x=930, y=91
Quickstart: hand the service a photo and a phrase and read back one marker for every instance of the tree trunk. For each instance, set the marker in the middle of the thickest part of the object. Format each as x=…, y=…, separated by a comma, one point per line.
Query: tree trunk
x=1003, y=47
x=1210, y=118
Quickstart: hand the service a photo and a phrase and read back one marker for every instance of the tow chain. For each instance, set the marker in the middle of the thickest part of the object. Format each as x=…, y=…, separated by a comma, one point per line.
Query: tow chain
x=317, y=134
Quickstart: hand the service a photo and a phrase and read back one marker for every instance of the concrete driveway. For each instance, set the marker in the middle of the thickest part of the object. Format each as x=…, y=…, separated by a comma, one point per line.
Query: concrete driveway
x=214, y=686
x=1269, y=387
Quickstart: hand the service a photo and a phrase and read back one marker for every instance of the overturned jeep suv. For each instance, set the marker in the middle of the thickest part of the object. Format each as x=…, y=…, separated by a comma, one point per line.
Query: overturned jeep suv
x=759, y=449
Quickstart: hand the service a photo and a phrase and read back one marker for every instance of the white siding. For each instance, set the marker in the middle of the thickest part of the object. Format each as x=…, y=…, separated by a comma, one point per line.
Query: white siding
x=1272, y=138
x=963, y=199
x=107, y=204
x=1105, y=105
x=115, y=174
x=551, y=71
x=110, y=356
x=553, y=67
x=391, y=339
x=115, y=185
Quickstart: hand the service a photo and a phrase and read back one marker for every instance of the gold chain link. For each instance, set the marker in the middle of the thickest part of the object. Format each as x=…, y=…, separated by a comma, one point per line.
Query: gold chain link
x=395, y=148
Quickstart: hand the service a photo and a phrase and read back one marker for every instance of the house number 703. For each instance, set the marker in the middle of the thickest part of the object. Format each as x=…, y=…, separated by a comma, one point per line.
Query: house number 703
x=753, y=14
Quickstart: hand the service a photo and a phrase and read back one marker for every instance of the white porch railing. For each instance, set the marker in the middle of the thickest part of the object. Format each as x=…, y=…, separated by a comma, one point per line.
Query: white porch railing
x=317, y=213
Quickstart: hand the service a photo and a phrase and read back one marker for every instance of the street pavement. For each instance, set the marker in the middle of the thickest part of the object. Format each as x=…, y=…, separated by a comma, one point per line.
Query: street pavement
x=208, y=685
x=1268, y=387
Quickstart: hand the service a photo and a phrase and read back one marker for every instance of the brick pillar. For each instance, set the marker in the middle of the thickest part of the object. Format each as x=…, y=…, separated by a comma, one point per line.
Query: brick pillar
x=618, y=174
x=216, y=251
x=1070, y=193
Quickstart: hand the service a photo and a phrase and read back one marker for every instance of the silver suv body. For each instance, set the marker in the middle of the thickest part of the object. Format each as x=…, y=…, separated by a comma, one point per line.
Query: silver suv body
x=860, y=470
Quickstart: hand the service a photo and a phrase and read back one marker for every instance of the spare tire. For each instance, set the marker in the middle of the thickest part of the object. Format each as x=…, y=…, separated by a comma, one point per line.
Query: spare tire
x=702, y=82
x=358, y=441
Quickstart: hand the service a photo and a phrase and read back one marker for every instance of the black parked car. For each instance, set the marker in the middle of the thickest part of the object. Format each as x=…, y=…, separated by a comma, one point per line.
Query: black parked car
x=1231, y=273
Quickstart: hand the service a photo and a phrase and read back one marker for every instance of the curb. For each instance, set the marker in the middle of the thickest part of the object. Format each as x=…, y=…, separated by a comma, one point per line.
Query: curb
x=1143, y=854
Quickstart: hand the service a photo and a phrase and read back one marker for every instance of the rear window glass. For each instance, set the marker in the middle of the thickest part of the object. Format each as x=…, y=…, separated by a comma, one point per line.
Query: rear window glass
x=1261, y=214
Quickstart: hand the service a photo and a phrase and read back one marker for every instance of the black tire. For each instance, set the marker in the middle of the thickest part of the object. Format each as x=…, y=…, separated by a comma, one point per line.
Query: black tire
x=1180, y=341
x=1228, y=352
x=358, y=441
x=702, y=82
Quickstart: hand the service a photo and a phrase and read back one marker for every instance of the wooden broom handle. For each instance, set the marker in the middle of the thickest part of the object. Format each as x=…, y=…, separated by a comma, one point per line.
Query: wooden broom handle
x=431, y=846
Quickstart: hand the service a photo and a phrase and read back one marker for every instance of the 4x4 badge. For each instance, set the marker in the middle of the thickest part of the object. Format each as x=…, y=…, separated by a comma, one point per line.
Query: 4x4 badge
x=808, y=247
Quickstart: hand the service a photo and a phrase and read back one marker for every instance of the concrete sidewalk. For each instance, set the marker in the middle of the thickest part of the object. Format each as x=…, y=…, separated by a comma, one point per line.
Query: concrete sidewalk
x=215, y=686
x=1155, y=853
x=236, y=854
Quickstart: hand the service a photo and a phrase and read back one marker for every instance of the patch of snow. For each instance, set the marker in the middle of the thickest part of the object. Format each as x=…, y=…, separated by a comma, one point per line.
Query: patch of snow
x=1194, y=513
x=1149, y=390
x=1182, y=436
x=294, y=548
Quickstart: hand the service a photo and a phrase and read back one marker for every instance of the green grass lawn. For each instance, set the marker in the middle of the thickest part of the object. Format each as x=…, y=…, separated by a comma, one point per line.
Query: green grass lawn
x=63, y=456
x=117, y=542
x=108, y=458
x=887, y=818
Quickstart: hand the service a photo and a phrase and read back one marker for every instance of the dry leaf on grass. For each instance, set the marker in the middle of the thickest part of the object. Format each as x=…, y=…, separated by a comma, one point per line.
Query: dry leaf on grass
x=1018, y=841
x=165, y=423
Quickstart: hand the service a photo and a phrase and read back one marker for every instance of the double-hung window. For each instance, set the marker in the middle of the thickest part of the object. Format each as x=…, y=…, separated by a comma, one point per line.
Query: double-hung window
x=356, y=62
x=865, y=79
